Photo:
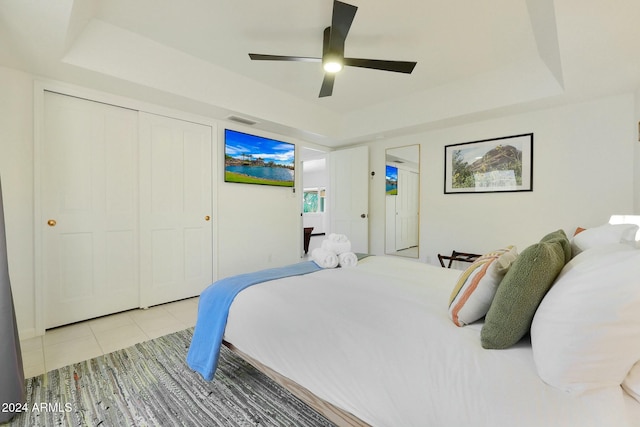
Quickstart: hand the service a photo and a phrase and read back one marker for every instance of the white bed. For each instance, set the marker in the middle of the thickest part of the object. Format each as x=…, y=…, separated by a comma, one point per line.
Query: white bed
x=376, y=341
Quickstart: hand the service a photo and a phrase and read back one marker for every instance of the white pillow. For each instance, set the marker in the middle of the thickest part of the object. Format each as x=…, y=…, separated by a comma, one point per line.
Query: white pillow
x=476, y=286
x=603, y=235
x=586, y=332
x=631, y=384
x=593, y=254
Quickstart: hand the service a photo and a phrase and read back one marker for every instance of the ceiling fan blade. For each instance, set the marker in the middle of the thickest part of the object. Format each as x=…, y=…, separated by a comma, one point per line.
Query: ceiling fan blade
x=341, y=21
x=261, y=57
x=326, y=37
x=327, y=85
x=378, y=64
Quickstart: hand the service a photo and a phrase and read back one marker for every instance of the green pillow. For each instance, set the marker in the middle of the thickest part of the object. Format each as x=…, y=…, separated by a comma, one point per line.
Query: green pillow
x=560, y=236
x=519, y=294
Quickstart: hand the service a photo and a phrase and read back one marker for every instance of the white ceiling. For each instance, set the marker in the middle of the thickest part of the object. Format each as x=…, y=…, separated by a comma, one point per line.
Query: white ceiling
x=474, y=58
x=402, y=30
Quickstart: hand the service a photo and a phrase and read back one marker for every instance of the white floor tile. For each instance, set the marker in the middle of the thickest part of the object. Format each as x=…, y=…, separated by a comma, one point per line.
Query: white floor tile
x=185, y=311
x=85, y=340
x=150, y=324
x=33, y=362
x=166, y=330
x=120, y=337
x=67, y=333
x=110, y=322
x=186, y=315
x=157, y=312
x=71, y=351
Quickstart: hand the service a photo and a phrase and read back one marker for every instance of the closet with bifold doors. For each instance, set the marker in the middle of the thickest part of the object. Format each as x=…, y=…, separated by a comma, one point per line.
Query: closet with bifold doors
x=124, y=209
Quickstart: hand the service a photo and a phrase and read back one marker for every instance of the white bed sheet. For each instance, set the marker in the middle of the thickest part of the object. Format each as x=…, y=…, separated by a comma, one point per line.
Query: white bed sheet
x=376, y=341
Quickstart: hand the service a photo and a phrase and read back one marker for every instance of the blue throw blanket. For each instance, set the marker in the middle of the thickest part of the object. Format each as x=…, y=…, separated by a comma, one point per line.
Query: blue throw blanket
x=213, y=310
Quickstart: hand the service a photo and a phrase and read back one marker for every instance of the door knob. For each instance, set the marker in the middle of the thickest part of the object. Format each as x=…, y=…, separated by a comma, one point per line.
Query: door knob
x=51, y=223
x=207, y=218
x=363, y=216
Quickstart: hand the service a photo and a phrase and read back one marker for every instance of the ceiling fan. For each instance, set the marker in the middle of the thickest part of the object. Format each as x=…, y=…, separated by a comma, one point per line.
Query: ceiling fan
x=333, y=58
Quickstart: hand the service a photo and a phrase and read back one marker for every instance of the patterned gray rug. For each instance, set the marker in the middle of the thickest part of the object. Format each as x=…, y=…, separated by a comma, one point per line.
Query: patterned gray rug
x=150, y=384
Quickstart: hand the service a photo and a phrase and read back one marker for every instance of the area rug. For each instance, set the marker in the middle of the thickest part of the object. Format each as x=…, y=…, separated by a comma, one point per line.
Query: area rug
x=150, y=384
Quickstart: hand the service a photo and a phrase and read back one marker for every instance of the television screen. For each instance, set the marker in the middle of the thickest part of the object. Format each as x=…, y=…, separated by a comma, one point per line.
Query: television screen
x=252, y=159
x=392, y=180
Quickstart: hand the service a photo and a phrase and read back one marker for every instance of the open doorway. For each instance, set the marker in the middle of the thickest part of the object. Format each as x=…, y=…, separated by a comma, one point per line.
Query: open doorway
x=315, y=209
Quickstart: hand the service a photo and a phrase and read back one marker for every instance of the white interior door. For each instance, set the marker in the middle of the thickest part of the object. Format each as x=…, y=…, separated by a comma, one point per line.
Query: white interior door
x=349, y=195
x=176, y=233
x=390, y=224
x=414, y=209
x=407, y=210
x=89, y=209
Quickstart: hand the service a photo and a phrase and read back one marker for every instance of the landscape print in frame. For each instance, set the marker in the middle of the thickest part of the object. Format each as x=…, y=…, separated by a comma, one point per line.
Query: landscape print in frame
x=253, y=159
x=492, y=165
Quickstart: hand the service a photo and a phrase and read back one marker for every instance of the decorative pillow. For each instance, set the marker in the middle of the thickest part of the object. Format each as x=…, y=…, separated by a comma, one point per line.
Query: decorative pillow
x=472, y=295
x=631, y=383
x=602, y=235
x=586, y=332
x=561, y=237
x=519, y=294
x=578, y=230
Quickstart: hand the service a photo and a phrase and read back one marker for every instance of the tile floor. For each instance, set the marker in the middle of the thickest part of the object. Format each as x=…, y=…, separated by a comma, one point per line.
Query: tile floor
x=85, y=340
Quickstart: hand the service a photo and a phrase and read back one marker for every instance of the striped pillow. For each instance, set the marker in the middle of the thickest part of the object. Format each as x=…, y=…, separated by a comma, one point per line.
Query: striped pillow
x=471, y=297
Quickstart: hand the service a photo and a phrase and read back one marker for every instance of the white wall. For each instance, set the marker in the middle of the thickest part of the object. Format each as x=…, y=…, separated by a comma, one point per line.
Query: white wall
x=637, y=155
x=255, y=226
x=316, y=175
x=16, y=172
x=258, y=226
x=637, y=177
x=583, y=171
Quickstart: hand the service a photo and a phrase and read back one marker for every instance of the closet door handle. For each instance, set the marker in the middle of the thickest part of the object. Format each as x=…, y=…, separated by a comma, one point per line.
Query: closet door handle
x=51, y=223
x=207, y=218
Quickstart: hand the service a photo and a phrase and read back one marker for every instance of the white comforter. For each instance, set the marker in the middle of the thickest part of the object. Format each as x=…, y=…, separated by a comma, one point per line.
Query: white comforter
x=376, y=341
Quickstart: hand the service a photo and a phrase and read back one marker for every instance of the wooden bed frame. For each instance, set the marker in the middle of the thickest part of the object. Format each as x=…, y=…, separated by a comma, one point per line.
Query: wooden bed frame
x=328, y=410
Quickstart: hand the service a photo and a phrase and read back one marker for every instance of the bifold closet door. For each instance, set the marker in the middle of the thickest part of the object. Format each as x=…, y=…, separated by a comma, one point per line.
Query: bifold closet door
x=176, y=233
x=88, y=205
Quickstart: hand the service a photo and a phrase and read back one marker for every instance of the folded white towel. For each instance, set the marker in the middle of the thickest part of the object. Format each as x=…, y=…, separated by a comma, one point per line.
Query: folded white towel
x=348, y=259
x=324, y=258
x=339, y=238
x=336, y=247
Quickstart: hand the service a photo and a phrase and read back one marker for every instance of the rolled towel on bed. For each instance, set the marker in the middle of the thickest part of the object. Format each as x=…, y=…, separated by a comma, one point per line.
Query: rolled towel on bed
x=336, y=247
x=339, y=238
x=324, y=258
x=348, y=259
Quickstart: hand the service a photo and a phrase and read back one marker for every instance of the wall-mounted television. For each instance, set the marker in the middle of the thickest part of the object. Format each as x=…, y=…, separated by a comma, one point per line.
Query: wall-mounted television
x=391, y=177
x=252, y=159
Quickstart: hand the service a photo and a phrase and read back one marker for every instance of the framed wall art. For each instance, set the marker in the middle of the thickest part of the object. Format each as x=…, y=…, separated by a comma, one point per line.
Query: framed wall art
x=491, y=165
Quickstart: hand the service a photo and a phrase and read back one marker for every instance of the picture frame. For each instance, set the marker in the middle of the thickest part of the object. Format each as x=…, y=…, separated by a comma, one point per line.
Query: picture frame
x=494, y=165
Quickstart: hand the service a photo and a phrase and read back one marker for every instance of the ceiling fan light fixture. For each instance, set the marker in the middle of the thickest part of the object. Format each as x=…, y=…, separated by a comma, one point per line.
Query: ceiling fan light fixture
x=333, y=60
x=332, y=65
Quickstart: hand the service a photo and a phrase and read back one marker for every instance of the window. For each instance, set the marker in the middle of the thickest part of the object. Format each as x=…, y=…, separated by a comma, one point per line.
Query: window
x=313, y=200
